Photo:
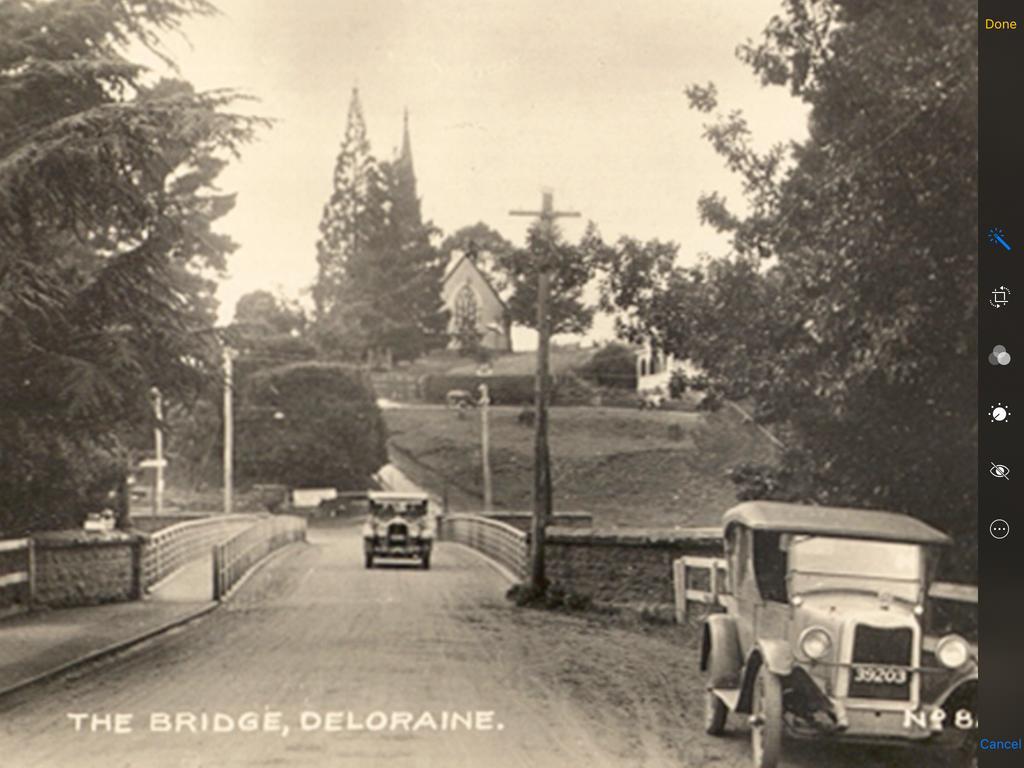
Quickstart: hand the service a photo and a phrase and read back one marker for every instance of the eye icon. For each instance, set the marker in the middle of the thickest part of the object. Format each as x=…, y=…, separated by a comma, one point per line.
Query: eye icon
x=999, y=412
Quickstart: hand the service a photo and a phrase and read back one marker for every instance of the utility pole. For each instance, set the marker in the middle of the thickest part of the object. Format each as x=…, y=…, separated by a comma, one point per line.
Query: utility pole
x=229, y=431
x=485, y=446
x=542, y=457
x=158, y=441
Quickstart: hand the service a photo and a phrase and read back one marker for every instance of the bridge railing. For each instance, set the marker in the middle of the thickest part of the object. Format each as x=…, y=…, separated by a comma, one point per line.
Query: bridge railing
x=173, y=547
x=501, y=542
x=233, y=558
x=713, y=573
x=17, y=571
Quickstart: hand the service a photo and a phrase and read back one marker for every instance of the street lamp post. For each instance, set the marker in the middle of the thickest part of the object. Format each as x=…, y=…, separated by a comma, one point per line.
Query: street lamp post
x=485, y=446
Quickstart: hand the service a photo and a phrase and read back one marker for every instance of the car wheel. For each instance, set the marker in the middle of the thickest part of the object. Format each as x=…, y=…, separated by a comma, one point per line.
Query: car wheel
x=369, y=560
x=766, y=720
x=715, y=714
x=426, y=561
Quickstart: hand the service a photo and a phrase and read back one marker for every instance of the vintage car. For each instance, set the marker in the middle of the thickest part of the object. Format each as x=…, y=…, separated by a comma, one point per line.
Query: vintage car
x=398, y=525
x=822, y=634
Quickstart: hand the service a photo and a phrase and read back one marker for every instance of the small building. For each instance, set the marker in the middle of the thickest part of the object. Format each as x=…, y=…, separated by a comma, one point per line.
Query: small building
x=470, y=298
x=654, y=369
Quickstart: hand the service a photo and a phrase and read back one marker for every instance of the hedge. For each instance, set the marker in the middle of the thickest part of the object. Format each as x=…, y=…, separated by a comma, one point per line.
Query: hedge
x=566, y=389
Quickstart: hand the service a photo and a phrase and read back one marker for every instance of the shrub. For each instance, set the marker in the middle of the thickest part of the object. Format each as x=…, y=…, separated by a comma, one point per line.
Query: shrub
x=612, y=366
x=332, y=433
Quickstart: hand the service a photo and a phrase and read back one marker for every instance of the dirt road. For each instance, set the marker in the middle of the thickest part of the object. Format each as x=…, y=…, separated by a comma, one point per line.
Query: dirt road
x=315, y=640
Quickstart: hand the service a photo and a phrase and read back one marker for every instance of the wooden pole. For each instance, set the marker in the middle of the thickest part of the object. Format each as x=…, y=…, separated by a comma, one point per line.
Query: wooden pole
x=542, y=492
x=485, y=446
x=229, y=433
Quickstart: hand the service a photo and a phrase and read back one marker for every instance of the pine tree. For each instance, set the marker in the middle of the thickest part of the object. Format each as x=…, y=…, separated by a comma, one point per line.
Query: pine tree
x=423, y=265
x=378, y=289
x=107, y=196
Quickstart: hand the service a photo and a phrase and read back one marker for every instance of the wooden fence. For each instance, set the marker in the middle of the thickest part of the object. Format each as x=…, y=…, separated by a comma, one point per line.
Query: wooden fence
x=17, y=572
x=233, y=558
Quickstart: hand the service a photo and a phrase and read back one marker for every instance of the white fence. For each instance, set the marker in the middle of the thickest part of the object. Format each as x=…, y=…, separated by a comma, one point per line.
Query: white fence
x=717, y=579
x=171, y=548
x=18, y=569
x=501, y=542
x=233, y=558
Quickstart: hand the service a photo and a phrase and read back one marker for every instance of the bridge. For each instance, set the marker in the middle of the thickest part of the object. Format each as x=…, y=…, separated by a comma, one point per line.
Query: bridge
x=314, y=660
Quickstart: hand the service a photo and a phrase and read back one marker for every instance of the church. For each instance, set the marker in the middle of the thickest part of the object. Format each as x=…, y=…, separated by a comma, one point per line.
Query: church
x=470, y=298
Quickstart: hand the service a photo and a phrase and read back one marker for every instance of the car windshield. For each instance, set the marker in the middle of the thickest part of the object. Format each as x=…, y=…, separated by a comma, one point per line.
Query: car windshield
x=819, y=563
x=408, y=509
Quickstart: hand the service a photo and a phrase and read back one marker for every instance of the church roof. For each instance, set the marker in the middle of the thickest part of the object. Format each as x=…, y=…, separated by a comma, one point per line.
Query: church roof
x=454, y=266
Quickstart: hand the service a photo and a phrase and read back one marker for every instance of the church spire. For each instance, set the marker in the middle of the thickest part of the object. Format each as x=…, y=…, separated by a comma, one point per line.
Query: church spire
x=405, y=157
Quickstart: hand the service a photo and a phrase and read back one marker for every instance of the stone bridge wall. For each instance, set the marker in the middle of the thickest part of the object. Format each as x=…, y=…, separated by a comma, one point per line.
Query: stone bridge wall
x=87, y=569
x=623, y=566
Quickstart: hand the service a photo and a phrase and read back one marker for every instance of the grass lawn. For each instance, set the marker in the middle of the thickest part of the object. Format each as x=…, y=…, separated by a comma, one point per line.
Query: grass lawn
x=626, y=467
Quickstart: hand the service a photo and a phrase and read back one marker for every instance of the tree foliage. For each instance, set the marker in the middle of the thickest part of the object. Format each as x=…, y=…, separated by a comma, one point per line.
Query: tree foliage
x=378, y=286
x=107, y=199
x=571, y=268
x=309, y=424
x=847, y=311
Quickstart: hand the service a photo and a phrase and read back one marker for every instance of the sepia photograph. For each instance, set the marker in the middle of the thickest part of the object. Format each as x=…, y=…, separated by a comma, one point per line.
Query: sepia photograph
x=517, y=384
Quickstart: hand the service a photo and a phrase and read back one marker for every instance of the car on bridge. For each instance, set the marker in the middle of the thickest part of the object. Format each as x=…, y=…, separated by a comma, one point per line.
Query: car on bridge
x=398, y=525
x=822, y=635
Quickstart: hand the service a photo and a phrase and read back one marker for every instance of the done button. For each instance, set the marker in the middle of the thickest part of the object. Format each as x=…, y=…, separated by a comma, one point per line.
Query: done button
x=1000, y=24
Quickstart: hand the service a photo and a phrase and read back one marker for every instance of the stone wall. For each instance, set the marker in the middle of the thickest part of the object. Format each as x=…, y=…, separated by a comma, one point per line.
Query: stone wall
x=622, y=566
x=74, y=568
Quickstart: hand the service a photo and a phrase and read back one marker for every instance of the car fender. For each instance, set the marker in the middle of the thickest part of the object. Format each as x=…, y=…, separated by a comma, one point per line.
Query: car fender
x=776, y=655
x=724, y=666
x=962, y=692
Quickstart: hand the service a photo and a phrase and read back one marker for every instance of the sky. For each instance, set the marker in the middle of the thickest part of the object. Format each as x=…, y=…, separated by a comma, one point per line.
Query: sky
x=505, y=99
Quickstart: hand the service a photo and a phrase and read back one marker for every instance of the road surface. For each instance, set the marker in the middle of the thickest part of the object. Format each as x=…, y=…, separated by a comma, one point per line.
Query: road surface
x=313, y=639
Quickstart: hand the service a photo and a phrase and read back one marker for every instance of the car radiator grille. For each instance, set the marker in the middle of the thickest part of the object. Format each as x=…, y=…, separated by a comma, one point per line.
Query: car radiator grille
x=397, y=532
x=881, y=647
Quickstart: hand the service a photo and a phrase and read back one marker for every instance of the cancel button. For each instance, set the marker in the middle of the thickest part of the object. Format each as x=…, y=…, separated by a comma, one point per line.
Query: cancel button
x=1000, y=745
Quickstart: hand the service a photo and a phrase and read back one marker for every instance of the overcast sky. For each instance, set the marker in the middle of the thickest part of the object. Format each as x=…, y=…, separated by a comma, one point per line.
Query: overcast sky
x=505, y=97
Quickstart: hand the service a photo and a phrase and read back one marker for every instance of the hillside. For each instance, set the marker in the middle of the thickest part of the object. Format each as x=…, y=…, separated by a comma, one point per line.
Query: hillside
x=627, y=467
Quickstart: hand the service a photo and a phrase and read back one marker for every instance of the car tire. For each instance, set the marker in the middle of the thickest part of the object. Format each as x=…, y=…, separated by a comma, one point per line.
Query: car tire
x=766, y=719
x=369, y=560
x=425, y=561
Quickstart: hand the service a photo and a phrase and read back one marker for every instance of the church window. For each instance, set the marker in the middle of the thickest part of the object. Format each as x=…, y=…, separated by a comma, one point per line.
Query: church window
x=466, y=309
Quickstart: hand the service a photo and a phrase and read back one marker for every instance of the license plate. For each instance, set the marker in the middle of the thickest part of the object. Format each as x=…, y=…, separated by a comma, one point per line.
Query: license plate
x=879, y=675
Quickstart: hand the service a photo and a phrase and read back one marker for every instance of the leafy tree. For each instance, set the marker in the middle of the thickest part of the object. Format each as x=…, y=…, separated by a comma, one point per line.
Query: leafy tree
x=613, y=365
x=309, y=424
x=482, y=244
x=107, y=199
x=264, y=313
x=848, y=311
x=379, y=284
x=572, y=267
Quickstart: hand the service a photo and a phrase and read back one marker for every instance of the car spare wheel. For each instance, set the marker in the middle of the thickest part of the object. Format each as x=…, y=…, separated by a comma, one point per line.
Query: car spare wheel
x=766, y=721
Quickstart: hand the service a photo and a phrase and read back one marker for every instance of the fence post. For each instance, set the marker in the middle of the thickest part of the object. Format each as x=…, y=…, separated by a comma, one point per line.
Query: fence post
x=216, y=572
x=30, y=585
x=679, y=583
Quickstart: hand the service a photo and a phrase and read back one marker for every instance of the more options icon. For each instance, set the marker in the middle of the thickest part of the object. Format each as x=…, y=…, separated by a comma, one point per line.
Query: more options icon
x=999, y=529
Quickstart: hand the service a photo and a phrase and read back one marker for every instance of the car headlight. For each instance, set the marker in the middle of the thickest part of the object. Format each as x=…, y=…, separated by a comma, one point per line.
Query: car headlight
x=952, y=651
x=815, y=642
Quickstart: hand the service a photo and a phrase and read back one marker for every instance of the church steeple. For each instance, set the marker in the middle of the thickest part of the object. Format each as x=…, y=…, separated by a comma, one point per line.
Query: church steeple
x=405, y=156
